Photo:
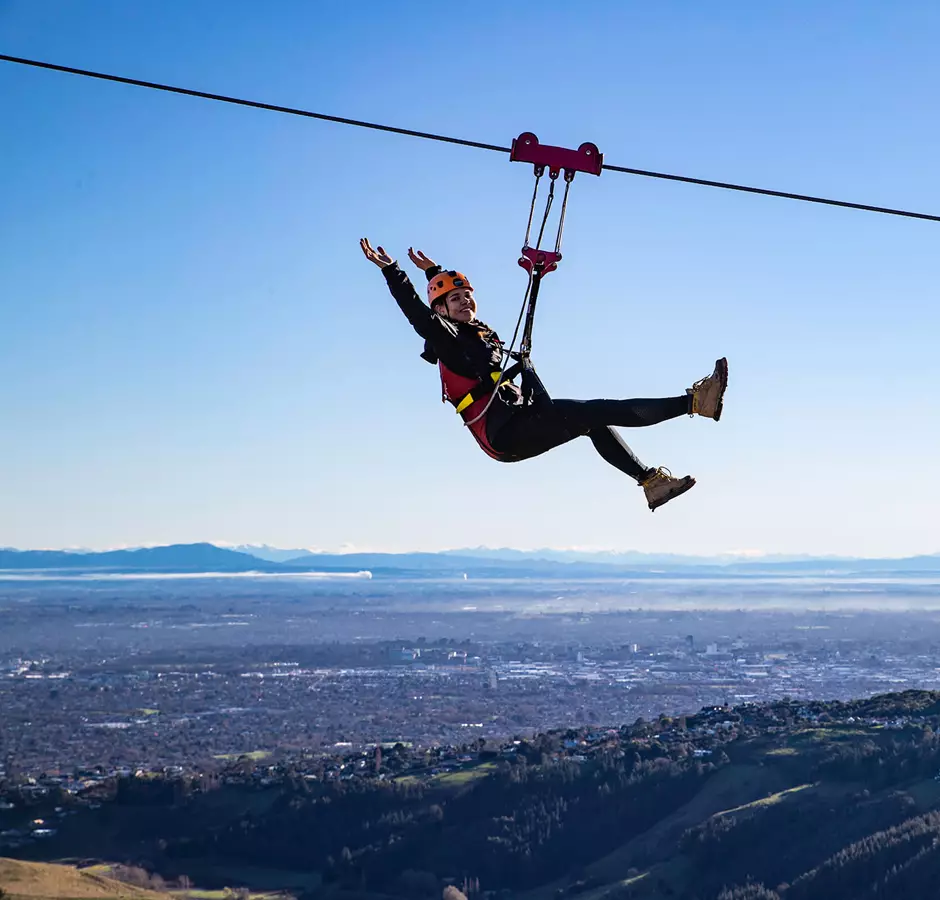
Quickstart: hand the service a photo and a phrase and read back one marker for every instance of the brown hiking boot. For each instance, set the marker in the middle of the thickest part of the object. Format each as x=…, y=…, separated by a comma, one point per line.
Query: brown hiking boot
x=660, y=487
x=708, y=393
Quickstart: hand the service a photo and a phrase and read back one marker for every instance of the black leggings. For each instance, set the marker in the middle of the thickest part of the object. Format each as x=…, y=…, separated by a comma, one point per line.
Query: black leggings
x=530, y=432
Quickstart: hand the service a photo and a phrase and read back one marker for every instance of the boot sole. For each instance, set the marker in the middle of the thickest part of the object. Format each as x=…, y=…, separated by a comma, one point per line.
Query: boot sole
x=721, y=370
x=686, y=485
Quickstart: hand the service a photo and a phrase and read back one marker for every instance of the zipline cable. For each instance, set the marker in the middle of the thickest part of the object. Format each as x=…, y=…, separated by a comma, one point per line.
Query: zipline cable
x=256, y=104
x=222, y=98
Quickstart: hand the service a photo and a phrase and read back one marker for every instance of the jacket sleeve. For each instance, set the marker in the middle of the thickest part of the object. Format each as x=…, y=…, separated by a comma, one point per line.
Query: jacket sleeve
x=419, y=314
x=416, y=311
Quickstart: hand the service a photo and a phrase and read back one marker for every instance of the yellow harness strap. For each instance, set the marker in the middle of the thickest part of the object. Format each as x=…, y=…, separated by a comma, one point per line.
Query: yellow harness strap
x=471, y=397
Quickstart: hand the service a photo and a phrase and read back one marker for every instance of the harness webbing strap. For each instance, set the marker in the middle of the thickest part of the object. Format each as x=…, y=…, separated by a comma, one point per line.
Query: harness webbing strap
x=483, y=389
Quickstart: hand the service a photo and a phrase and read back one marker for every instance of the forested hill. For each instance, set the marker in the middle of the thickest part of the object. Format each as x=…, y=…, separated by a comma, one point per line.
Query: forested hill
x=790, y=800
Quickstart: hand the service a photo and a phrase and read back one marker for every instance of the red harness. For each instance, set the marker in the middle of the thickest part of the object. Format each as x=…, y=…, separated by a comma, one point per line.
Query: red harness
x=470, y=396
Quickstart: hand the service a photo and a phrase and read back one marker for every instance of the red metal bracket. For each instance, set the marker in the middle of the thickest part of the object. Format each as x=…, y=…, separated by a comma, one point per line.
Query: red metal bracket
x=547, y=259
x=587, y=158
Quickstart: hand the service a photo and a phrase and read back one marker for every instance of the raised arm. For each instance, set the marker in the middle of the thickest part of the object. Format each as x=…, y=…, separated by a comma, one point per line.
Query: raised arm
x=418, y=313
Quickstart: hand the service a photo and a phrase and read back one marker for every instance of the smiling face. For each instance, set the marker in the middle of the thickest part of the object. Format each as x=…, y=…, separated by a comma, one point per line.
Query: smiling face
x=458, y=305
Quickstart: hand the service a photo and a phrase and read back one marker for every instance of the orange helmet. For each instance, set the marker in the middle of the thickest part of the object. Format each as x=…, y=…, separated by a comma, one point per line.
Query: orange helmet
x=441, y=285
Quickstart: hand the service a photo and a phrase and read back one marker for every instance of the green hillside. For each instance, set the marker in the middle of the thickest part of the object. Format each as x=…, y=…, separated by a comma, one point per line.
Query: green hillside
x=800, y=801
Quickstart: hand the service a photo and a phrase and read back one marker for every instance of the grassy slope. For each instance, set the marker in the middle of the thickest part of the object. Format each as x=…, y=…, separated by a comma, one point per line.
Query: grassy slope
x=44, y=880
x=742, y=789
x=655, y=853
x=39, y=881
x=734, y=786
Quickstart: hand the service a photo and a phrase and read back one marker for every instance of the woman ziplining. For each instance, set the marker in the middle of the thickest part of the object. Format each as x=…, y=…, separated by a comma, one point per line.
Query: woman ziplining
x=508, y=426
x=515, y=422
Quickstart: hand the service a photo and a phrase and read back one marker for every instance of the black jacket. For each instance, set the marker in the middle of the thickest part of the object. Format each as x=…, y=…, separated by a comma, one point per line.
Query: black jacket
x=471, y=349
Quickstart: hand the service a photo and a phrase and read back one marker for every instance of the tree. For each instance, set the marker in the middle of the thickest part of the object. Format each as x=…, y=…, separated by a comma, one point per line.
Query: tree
x=241, y=893
x=750, y=891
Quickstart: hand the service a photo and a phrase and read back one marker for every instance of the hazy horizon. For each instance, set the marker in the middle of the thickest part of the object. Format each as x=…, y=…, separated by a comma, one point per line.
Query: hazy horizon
x=347, y=549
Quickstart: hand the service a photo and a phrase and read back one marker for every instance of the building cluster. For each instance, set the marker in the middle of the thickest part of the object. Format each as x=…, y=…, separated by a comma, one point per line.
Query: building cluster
x=343, y=761
x=82, y=719
x=34, y=807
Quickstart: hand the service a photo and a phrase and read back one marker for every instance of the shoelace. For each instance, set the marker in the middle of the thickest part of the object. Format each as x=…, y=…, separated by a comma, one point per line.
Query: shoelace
x=661, y=472
x=696, y=390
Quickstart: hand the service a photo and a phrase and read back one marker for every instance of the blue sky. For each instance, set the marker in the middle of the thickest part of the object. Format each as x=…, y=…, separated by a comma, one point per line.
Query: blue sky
x=193, y=348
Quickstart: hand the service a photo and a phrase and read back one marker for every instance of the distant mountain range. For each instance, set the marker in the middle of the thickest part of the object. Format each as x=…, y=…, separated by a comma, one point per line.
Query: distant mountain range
x=616, y=557
x=548, y=554
x=204, y=557
x=271, y=554
x=174, y=558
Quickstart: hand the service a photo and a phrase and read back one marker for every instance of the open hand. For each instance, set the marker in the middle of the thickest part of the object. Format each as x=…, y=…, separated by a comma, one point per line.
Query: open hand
x=420, y=260
x=378, y=256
